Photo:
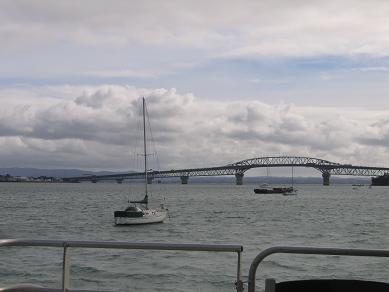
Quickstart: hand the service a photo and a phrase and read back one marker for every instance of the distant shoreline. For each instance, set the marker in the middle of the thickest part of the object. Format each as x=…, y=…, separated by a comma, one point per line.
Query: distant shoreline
x=17, y=174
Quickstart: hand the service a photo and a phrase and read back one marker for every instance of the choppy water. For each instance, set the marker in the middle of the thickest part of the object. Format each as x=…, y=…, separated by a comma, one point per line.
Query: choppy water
x=323, y=216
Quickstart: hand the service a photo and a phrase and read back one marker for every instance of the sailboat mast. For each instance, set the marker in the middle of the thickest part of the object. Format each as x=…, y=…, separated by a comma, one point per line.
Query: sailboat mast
x=144, y=141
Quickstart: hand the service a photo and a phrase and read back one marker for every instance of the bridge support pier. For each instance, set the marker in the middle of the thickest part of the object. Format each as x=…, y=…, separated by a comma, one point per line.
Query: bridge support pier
x=184, y=179
x=119, y=180
x=239, y=178
x=326, y=178
x=149, y=180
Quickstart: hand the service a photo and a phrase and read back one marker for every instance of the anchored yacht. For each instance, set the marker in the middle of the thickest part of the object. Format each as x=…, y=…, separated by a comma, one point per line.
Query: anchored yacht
x=138, y=212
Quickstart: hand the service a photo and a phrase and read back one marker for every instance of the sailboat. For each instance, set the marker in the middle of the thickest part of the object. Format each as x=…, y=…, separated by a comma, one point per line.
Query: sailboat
x=138, y=212
x=265, y=188
x=290, y=191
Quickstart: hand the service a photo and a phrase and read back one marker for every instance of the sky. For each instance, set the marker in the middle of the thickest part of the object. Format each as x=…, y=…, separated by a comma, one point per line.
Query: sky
x=224, y=81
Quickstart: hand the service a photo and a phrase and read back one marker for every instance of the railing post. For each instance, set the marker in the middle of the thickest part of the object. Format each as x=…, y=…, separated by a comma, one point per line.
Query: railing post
x=66, y=245
x=270, y=285
x=65, y=268
x=239, y=283
x=308, y=250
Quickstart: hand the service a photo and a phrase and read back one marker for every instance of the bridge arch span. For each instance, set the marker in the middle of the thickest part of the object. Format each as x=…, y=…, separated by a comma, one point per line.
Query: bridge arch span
x=327, y=168
x=283, y=161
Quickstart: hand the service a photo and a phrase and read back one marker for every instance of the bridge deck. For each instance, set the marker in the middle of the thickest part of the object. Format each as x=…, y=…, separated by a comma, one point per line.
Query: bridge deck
x=239, y=168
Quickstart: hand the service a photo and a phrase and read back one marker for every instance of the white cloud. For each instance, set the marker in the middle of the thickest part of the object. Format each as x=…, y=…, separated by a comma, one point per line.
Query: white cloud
x=233, y=28
x=371, y=69
x=94, y=126
x=98, y=128
x=120, y=73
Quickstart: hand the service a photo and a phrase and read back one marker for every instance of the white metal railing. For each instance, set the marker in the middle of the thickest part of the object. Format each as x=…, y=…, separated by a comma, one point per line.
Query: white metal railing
x=309, y=250
x=119, y=245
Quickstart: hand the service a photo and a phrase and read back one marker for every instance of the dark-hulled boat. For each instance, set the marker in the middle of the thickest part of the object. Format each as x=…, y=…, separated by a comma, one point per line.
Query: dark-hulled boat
x=267, y=189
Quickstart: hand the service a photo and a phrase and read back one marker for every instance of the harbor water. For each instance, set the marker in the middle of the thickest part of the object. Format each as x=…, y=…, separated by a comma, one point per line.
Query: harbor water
x=336, y=216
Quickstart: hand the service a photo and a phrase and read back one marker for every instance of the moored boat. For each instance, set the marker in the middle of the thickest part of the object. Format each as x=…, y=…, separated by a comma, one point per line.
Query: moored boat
x=290, y=192
x=267, y=189
x=134, y=214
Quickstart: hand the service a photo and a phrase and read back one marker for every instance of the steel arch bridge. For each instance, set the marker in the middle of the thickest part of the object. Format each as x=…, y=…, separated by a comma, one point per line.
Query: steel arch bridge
x=327, y=168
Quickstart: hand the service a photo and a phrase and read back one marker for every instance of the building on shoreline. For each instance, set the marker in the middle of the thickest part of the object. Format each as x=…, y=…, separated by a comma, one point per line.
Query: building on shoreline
x=10, y=178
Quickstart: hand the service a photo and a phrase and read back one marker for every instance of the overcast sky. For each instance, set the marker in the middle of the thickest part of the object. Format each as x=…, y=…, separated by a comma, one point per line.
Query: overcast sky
x=224, y=81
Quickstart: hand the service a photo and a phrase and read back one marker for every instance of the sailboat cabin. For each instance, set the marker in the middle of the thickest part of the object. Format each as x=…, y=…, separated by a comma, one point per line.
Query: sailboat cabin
x=130, y=212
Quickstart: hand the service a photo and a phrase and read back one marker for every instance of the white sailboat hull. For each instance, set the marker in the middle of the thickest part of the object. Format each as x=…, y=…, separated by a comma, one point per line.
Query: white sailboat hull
x=150, y=216
x=134, y=215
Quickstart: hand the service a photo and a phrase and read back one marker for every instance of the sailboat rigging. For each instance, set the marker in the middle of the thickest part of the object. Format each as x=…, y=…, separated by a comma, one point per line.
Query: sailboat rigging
x=291, y=191
x=134, y=214
x=268, y=189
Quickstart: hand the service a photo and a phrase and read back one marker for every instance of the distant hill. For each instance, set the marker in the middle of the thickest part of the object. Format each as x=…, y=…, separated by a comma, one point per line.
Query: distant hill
x=36, y=172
